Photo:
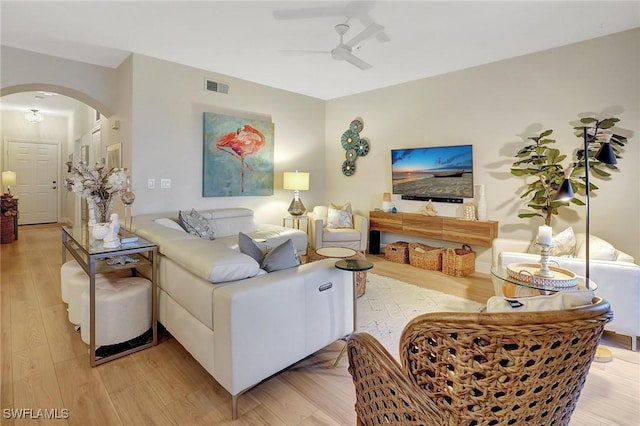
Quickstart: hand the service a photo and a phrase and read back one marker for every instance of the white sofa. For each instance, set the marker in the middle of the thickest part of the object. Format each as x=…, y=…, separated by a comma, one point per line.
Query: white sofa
x=618, y=279
x=241, y=323
x=355, y=238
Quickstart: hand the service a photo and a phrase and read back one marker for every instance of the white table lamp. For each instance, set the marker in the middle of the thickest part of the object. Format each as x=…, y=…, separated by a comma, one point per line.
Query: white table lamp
x=8, y=179
x=296, y=181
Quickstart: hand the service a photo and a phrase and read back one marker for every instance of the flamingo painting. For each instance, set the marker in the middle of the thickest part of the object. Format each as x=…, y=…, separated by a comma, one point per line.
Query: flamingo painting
x=249, y=143
x=244, y=141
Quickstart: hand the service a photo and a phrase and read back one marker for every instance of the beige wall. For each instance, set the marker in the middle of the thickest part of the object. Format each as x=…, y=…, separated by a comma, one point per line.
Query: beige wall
x=496, y=107
x=167, y=109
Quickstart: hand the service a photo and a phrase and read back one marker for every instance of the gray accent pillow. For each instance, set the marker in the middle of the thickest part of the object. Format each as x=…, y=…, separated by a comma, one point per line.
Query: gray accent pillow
x=195, y=224
x=249, y=247
x=283, y=256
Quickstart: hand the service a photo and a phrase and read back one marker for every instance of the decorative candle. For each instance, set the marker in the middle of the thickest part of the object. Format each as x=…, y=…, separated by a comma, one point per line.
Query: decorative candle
x=544, y=235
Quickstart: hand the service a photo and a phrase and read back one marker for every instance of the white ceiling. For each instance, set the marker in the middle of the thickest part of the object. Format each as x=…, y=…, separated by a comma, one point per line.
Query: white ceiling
x=245, y=40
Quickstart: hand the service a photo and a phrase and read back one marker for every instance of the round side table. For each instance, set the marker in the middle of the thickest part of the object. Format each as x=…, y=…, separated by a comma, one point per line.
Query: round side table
x=343, y=253
x=355, y=266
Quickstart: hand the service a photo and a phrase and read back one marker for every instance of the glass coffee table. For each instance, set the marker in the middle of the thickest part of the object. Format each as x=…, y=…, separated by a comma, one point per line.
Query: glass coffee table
x=507, y=284
x=355, y=266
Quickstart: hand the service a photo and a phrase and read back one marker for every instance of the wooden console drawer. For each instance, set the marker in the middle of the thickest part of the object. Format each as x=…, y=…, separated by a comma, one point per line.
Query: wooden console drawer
x=385, y=222
x=478, y=232
x=422, y=226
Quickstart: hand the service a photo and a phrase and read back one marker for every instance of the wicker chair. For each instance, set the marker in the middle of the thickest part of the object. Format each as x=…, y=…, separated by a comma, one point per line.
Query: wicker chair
x=478, y=368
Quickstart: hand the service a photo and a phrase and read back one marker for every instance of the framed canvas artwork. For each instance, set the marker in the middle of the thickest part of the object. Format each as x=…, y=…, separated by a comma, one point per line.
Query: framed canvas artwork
x=113, y=156
x=237, y=156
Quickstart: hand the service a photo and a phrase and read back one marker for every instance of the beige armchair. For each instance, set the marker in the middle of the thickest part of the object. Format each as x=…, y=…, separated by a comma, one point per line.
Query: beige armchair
x=320, y=235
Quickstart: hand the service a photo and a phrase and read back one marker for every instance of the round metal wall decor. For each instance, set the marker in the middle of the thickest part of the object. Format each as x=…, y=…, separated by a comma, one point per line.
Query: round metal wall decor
x=349, y=139
x=362, y=147
x=348, y=168
x=356, y=126
x=354, y=145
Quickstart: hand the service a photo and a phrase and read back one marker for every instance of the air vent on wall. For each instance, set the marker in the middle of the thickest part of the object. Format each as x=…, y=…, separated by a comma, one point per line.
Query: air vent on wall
x=216, y=86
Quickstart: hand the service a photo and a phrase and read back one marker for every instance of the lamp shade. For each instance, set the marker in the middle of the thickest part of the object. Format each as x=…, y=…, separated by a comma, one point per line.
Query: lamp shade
x=297, y=181
x=605, y=154
x=565, y=192
x=8, y=178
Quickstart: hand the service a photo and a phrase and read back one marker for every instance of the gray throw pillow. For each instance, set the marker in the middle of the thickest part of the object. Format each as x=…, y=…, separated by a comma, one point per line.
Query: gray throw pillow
x=195, y=224
x=283, y=256
x=249, y=247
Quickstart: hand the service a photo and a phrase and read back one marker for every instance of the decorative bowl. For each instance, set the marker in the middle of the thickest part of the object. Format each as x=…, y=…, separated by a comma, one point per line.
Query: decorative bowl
x=526, y=274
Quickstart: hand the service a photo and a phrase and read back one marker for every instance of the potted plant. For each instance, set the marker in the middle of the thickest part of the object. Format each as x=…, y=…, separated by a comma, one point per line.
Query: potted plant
x=8, y=209
x=543, y=162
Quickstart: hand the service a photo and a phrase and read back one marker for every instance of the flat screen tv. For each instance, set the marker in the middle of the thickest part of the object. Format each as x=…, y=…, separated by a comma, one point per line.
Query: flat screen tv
x=433, y=172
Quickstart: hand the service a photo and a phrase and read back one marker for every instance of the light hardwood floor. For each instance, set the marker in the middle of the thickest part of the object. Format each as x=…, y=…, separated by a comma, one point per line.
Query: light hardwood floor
x=44, y=363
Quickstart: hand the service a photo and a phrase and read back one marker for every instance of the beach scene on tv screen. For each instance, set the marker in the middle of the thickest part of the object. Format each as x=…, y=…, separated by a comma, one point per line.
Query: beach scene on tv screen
x=434, y=171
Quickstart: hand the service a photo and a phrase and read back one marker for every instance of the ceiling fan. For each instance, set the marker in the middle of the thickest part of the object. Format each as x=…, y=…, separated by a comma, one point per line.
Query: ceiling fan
x=358, y=10
x=343, y=51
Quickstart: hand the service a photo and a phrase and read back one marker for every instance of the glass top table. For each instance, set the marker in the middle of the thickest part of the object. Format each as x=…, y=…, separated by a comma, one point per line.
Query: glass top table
x=94, y=259
x=512, y=285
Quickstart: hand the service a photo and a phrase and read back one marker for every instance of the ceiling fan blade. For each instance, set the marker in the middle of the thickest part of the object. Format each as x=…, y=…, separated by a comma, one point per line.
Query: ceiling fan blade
x=303, y=51
x=353, y=9
x=370, y=31
x=354, y=60
x=306, y=13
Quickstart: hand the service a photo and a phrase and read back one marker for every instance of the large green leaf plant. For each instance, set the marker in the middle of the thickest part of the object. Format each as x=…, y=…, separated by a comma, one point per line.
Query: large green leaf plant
x=542, y=161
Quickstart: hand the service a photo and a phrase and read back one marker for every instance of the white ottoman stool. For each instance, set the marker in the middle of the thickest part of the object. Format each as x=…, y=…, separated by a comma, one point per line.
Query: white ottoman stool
x=123, y=310
x=67, y=271
x=79, y=282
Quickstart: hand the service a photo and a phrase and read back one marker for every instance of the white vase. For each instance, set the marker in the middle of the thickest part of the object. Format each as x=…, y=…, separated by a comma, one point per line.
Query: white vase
x=386, y=206
x=482, y=203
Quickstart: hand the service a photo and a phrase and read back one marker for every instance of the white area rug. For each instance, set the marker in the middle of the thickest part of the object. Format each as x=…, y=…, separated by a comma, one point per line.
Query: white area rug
x=388, y=305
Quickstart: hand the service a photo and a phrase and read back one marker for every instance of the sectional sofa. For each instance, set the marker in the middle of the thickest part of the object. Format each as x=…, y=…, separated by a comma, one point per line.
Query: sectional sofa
x=239, y=322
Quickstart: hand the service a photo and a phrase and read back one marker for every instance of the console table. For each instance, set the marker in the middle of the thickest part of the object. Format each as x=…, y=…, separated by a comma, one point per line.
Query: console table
x=473, y=232
x=91, y=256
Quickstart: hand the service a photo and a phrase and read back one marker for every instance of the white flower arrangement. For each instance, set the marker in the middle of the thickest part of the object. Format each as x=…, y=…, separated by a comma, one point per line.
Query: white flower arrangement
x=96, y=182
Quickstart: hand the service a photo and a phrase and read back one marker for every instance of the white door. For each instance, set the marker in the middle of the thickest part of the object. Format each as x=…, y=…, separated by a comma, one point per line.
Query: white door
x=36, y=167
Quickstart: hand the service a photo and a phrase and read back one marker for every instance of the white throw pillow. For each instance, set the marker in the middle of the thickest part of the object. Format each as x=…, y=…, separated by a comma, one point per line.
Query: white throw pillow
x=599, y=249
x=562, y=244
x=340, y=216
x=560, y=300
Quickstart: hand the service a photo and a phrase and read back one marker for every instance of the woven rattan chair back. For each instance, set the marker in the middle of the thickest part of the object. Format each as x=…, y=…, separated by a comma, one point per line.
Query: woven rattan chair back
x=384, y=394
x=503, y=368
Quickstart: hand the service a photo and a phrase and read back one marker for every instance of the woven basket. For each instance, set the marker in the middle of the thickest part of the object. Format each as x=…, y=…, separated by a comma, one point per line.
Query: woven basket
x=425, y=257
x=459, y=262
x=397, y=252
x=6, y=229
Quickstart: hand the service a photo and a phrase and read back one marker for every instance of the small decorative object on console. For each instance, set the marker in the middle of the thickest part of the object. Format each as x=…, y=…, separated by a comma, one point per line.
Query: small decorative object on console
x=429, y=210
x=112, y=240
x=121, y=260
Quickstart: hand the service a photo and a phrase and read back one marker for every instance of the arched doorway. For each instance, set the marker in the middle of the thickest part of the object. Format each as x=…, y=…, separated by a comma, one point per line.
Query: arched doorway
x=72, y=123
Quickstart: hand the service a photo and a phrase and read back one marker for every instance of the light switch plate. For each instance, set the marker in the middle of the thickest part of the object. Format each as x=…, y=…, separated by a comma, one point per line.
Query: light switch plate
x=151, y=184
x=165, y=183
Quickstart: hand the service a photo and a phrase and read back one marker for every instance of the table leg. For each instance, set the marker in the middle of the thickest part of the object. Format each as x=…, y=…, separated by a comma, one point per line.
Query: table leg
x=355, y=318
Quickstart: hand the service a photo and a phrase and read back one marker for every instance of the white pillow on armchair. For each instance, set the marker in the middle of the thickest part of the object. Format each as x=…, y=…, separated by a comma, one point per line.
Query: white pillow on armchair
x=598, y=248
